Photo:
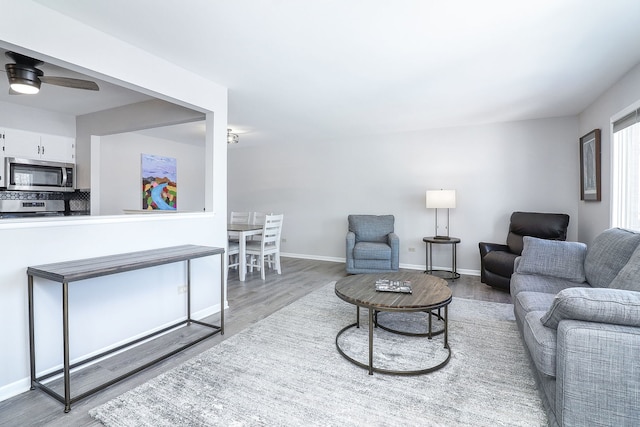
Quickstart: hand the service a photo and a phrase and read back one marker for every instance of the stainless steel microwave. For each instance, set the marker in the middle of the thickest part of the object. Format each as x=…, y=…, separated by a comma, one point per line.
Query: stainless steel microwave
x=37, y=175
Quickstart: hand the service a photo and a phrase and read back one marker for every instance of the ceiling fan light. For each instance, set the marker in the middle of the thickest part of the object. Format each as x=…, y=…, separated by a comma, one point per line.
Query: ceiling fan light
x=23, y=78
x=26, y=88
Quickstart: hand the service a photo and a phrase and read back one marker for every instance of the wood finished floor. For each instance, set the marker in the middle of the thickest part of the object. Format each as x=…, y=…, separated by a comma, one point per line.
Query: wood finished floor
x=249, y=302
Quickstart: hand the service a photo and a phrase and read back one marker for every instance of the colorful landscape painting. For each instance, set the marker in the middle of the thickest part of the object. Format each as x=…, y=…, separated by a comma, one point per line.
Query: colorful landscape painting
x=159, y=183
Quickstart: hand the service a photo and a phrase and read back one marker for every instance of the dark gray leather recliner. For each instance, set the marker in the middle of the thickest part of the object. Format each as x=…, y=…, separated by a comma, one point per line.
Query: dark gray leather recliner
x=496, y=260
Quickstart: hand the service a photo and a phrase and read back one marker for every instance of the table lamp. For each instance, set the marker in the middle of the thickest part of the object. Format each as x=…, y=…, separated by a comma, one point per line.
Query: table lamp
x=441, y=199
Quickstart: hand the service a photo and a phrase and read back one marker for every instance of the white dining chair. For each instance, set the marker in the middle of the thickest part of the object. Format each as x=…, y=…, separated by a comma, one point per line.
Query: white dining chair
x=233, y=254
x=267, y=250
x=240, y=218
x=236, y=218
x=257, y=218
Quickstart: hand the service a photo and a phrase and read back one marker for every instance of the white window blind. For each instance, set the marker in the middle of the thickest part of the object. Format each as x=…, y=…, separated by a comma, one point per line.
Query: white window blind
x=626, y=172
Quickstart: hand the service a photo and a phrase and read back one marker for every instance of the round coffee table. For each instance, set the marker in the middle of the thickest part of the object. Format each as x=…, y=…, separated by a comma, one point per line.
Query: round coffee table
x=428, y=293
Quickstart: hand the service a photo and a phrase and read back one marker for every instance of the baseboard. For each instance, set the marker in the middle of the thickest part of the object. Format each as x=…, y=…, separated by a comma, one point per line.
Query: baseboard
x=406, y=266
x=313, y=257
x=23, y=385
x=10, y=390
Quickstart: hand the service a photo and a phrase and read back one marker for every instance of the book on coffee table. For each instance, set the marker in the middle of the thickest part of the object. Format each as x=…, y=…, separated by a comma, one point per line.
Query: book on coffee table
x=385, y=285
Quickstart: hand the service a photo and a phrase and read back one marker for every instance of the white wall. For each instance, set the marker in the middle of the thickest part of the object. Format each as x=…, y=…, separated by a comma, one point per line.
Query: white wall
x=133, y=302
x=120, y=178
x=155, y=113
x=595, y=217
x=15, y=116
x=71, y=238
x=496, y=169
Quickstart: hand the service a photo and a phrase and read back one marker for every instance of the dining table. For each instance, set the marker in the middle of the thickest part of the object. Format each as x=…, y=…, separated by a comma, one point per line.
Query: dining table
x=243, y=231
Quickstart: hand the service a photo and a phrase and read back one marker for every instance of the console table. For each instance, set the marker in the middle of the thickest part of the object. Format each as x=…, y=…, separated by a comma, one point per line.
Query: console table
x=72, y=271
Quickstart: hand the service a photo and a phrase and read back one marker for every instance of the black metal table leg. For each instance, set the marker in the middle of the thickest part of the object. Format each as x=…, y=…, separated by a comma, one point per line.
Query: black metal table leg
x=65, y=339
x=370, y=341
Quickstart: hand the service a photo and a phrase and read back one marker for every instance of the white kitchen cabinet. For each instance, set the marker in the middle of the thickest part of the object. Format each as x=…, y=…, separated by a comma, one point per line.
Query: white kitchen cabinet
x=58, y=148
x=32, y=145
x=18, y=143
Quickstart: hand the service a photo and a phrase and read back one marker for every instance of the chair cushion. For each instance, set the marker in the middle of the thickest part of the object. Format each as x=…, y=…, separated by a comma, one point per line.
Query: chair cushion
x=499, y=262
x=553, y=258
x=608, y=253
x=550, y=226
x=371, y=228
x=372, y=265
x=370, y=250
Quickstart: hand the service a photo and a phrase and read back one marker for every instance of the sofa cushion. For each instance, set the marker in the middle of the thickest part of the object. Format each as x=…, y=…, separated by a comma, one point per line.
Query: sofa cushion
x=534, y=301
x=553, y=258
x=629, y=277
x=370, y=250
x=541, y=342
x=608, y=253
x=526, y=302
x=534, y=283
x=601, y=305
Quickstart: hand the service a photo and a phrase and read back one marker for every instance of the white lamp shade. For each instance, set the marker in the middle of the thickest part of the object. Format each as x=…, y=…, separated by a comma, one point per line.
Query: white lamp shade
x=441, y=199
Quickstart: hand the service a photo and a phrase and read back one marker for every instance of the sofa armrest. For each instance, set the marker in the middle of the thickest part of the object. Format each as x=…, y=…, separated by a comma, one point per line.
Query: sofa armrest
x=351, y=242
x=596, y=382
x=598, y=305
x=485, y=248
x=394, y=242
x=350, y=245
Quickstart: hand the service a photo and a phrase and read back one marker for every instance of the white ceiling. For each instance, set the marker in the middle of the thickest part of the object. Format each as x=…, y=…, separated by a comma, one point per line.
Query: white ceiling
x=330, y=69
x=68, y=101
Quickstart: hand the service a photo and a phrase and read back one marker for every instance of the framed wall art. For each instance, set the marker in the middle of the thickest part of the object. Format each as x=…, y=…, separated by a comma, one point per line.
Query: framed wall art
x=159, y=186
x=590, y=185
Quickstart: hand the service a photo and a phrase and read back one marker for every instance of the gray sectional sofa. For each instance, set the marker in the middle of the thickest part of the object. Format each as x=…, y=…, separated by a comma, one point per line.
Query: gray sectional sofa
x=578, y=310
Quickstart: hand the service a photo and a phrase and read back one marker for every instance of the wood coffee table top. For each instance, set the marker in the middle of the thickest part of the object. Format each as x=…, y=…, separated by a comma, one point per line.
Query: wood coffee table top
x=429, y=292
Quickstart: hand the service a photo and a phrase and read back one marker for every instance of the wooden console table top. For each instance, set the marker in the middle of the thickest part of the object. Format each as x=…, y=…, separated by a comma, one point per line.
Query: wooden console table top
x=71, y=271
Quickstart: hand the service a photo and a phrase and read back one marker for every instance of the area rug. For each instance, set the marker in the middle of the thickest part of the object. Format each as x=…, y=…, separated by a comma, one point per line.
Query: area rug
x=285, y=371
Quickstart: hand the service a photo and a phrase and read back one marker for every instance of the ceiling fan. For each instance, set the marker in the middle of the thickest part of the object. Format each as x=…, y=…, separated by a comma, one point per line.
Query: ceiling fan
x=25, y=78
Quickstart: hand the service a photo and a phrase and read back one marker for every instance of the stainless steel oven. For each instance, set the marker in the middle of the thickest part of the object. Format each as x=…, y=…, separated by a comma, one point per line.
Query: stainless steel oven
x=31, y=208
x=37, y=175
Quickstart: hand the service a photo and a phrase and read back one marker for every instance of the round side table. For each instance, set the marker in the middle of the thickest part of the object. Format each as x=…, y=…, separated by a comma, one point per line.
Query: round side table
x=453, y=241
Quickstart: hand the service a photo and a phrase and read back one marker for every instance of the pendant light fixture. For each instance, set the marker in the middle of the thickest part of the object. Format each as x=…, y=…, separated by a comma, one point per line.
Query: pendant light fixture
x=232, y=138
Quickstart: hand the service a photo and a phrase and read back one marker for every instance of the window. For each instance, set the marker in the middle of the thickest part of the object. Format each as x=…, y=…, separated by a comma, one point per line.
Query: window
x=626, y=172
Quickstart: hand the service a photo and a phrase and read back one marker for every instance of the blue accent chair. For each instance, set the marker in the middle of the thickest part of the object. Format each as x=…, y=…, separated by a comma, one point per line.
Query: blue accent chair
x=372, y=245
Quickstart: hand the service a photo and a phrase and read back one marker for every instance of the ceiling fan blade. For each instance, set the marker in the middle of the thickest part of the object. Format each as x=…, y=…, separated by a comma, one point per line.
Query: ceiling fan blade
x=69, y=82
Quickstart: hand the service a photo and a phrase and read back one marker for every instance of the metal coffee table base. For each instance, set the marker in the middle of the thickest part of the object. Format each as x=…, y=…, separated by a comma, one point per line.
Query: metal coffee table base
x=429, y=334
x=373, y=323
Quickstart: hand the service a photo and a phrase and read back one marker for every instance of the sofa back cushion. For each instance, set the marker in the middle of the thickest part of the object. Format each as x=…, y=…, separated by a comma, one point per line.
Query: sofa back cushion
x=564, y=260
x=371, y=228
x=628, y=277
x=608, y=253
x=550, y=226
x=599, y=305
